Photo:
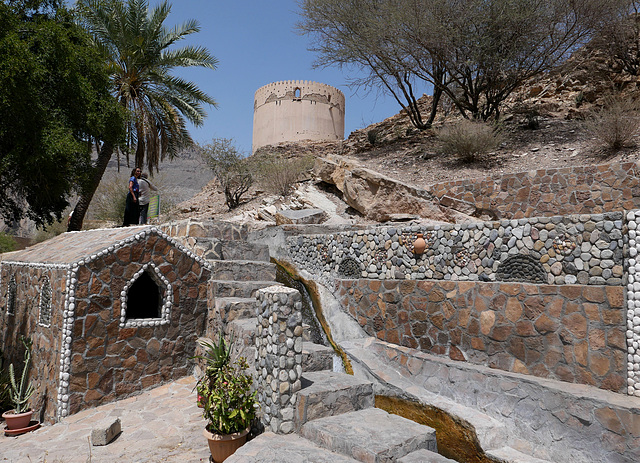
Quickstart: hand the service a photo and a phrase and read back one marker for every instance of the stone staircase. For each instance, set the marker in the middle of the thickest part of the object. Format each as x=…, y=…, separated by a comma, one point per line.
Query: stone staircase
x=335, y=420
x=238, y=270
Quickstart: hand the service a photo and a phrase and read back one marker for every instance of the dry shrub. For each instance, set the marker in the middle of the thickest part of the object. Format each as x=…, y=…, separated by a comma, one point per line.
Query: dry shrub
x=616, y=124
x=468, y=139
x=277, y=174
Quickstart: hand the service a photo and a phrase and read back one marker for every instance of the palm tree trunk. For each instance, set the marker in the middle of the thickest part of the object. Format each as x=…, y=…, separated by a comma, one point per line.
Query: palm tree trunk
x=90, y=187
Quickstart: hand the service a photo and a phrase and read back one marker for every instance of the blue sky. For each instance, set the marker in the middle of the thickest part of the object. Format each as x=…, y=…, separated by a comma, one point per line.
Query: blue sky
x=256, y=44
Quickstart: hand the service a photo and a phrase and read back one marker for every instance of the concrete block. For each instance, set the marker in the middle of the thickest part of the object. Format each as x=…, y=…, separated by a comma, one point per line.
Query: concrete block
x=105, y=431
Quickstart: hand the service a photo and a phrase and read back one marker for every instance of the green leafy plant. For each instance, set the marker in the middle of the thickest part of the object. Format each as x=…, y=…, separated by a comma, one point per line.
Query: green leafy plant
x=20, y=393
x=230, y=404
x=5, y=402
x=7, y=243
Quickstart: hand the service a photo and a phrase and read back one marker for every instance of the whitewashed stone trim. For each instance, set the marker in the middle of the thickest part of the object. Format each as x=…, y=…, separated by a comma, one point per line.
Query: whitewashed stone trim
x=68, y=317
x=633, y=304
x=165, y=309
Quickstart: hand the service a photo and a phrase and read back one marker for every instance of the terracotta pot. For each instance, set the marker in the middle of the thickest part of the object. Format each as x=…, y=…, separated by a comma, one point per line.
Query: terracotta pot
x=419, y=244
x=17, y=420
x=222, y=446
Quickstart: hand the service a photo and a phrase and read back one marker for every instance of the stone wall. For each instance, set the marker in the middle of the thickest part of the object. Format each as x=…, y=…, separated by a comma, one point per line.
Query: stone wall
x=25, y=320
x=566, y=332
x=278, y=356
x=584, y=249
x=550, y=192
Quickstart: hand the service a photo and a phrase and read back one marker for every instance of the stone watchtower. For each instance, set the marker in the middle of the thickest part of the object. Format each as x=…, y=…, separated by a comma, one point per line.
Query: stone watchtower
x=296, y=110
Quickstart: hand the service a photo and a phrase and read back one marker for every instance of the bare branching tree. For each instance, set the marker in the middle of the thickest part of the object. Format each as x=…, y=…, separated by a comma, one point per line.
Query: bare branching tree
x=476, y=52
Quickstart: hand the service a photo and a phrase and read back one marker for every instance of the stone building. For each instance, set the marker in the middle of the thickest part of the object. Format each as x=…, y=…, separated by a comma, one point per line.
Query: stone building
x=296, y=110
x=110, y=312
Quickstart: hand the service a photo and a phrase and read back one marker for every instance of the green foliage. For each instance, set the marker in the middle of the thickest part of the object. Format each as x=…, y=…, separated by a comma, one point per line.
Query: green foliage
x=20, y=392
x=469, y=139
x=5, y=385
x=136, y=46
x=54, y=100
x=232, y=170
x=278, y=175
x=216, y=356
x=7, y=243
x=230, y=405
x=616, y=125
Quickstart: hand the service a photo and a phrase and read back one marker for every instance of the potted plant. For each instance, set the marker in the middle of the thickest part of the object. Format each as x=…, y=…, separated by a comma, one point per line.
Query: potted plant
x=216, y=357
x=229, y=408
x=20, y=393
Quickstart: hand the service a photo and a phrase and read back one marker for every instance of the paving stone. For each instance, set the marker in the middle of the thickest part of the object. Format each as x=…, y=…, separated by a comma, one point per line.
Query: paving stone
x=370, y=435
x=105, y=431
x=272, y=448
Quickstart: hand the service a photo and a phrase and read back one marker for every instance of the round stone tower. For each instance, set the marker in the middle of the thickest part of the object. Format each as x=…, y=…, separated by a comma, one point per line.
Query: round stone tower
x=296, y=110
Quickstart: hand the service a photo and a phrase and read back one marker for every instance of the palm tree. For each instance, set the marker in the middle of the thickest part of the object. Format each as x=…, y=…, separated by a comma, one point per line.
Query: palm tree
x=158, y=104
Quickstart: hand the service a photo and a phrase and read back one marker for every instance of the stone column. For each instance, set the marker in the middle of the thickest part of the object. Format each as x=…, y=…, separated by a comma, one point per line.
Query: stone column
x=278, y=355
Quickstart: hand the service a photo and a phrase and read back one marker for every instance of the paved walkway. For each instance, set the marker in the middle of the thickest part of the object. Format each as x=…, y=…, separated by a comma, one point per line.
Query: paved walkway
x=160, y=425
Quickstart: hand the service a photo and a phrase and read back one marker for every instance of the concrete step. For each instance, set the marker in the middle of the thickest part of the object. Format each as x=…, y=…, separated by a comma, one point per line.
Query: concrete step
x=316, y=357
x=279, y=448
x=329, y=393
x=424, y=456
x=490, y=432
x=226, y=231
x=243, y=270
x=370, y=435
x=510, y=455
x=243, y=331
x=233, y=308
x=232, y=288
x=215, y=249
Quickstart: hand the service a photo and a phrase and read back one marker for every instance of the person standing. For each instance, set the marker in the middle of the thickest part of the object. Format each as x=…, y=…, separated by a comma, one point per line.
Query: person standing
x=131, y=213
x=145, y=196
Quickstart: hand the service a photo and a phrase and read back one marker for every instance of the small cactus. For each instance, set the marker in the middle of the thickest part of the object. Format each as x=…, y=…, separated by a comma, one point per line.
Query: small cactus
x=20, y=395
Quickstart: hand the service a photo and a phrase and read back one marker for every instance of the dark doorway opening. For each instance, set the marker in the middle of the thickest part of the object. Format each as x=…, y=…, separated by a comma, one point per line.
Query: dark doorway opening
x=143, y=299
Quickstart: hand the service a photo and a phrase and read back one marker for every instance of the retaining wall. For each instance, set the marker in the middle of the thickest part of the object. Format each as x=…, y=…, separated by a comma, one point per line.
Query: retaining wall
x=549, y=192
x=566, y=332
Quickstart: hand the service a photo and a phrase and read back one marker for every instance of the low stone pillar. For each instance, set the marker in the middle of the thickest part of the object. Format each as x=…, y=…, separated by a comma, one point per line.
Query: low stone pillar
x=278, y=355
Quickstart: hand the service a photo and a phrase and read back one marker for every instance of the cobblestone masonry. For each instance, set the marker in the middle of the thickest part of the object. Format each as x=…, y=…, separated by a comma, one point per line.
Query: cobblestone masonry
x=278, y=355
x=101, y=355
x=582, y=249
x=568, y=332
x=550, y=192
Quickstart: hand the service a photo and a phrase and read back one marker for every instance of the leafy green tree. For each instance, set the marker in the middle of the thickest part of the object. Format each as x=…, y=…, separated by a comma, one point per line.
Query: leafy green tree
x=54, y=102
x=136, y=47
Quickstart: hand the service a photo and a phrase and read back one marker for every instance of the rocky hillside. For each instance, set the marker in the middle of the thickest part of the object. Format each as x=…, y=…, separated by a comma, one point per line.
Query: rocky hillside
x=560, y=102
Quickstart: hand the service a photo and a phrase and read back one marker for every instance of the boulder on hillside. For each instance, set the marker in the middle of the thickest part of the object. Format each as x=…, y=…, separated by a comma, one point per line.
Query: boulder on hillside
x=378, y=197
x=301, y=217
